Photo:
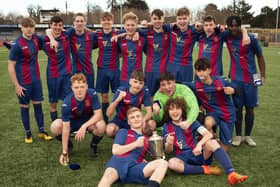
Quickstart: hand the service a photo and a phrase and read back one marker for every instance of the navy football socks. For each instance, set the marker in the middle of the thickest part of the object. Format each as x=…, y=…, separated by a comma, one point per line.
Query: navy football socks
x=249, y=123
x=104, y=108
x=224, y=160
x=24, y=112
x=39, y=116
x=193, y=169
x=53, y=115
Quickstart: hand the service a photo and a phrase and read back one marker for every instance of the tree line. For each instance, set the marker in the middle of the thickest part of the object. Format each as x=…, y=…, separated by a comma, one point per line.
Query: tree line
x=266, y=19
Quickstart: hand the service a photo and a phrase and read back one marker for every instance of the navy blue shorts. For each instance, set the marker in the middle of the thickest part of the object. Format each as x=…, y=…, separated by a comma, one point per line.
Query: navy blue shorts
x=129, y=171
x=189, y=158
x=122, y=124
x=181, y=73
x=33, y=92
x=226, y=128
x=152, y=82
x=106, y=78
x=58, y=88
x=248, y=96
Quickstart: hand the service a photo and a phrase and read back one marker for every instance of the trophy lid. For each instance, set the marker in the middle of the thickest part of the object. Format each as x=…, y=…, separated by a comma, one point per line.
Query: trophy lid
x=155, y=137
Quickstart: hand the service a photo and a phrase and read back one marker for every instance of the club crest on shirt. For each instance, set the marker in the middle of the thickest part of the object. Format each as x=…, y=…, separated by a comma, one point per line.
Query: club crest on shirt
x=78, y=46
x=208, y=96
x=155, y=46
x=180, y=144
x=178, y=38
x=205, y=46
x=165, y=36
x=129, y=53
x=219, y=88
x=235, y=52
x=87, y=103
x=105, y=42
x=215, y=39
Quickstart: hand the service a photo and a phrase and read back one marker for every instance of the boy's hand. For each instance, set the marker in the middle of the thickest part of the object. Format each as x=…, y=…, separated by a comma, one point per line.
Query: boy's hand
x=197, y=150
x=228, y=90
x=121, y=95
x=140, y=142
x=156, y=108
x=170, y=139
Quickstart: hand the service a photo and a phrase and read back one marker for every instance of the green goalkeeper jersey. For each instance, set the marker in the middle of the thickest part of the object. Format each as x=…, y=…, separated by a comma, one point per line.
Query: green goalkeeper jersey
x=180, y=91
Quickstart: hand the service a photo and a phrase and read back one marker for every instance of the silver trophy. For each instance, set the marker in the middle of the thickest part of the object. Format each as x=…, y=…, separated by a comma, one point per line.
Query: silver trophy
x=156, y=146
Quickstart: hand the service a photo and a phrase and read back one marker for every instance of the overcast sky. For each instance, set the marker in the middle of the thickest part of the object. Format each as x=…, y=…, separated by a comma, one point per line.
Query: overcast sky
x=19, y=6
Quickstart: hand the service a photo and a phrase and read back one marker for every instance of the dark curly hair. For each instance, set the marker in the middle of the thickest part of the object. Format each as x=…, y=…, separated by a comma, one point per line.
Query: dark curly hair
x=177, y=102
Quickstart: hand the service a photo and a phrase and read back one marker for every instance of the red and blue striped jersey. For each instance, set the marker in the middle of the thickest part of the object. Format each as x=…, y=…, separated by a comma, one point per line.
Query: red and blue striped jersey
x=128, y=136
x=242, y=64
x=184, y=140
x=81, y=51
x=212, y=49
x=156, y=50
x=108, y=54
x=181, y=46
x=213, y=98
x=25, y=53
x=72, y=109
x=131, y=56
x=143, y=97
x=59, y=62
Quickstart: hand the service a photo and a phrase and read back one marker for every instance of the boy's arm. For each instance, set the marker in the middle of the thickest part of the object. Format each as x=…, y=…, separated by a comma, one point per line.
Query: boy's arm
x=261, y=64
x=158, y=107
x=148, y=114
x=122, y=149
x=192, y=105
x=12, y=72
x=112, y=107
x=245, y=37
x=53, y=42
x=206, y=135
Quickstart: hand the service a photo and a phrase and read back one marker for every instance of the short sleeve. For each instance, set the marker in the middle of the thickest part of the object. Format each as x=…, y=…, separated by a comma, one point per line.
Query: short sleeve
x=95, y=100
x=14, y=52
x=146, y=96
x=121, y=137
x=66, y=110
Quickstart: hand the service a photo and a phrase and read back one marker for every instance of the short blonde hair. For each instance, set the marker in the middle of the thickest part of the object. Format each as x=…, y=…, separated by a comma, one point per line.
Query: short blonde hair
x=130, y=16
x=132, y=110
x=78, y=77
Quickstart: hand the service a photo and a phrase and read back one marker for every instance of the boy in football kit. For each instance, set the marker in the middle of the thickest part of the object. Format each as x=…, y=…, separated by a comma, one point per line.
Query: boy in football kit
x=243, y=73
x=192, y=157
x=108, y=72
x=183, y=38
x=156, y=50
x=81, y=112
x=59, y=64
x=214, y=92
x=127, y=164
x=134, y=94
x=25, y=74
x=132, y=51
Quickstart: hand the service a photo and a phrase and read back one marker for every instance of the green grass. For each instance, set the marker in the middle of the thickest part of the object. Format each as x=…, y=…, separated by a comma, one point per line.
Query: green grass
x=37, y=164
